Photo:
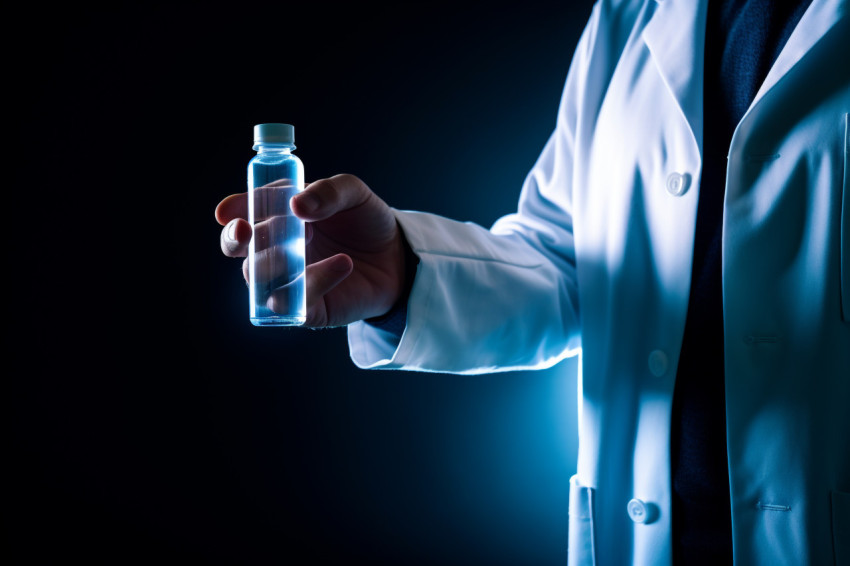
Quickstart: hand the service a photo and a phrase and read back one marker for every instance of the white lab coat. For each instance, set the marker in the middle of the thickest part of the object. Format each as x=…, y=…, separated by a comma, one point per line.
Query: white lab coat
x=597, y=262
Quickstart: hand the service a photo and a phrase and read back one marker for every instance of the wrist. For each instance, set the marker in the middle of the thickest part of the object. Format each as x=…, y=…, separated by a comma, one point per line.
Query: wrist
x=396, y=317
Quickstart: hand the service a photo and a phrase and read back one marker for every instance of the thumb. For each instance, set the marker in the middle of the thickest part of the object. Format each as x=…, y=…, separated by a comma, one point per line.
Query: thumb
x=326, y=197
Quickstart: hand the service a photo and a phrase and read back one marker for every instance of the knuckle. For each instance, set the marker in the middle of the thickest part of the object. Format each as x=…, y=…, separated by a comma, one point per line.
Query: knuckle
x=351, y=181
x=331, y=191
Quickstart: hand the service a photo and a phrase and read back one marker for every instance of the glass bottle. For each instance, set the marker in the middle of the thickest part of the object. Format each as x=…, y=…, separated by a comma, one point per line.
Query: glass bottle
x=276, y=252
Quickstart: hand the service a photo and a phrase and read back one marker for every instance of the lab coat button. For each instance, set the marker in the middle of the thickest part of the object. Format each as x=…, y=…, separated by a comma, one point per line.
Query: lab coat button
x=658, y=363
x=677, y=184
x=638, y=511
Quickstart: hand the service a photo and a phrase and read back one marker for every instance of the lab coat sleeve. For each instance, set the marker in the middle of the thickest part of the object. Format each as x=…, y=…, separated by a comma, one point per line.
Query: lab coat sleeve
x=499, y=299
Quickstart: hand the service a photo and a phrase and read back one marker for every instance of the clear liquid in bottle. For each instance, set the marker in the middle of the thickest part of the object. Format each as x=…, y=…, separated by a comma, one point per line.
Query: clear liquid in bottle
x=276, y=252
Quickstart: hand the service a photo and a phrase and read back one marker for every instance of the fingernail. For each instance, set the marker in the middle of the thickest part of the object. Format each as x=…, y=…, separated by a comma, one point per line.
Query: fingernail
x=340, y=264
x=231, y=230
x=309, y=202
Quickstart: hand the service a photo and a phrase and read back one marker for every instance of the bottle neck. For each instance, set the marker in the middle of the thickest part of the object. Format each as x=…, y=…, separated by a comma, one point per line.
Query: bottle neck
x=274, y=148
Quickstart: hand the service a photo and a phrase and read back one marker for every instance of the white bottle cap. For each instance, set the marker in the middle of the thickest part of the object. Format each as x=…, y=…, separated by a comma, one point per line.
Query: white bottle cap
x=274, y=133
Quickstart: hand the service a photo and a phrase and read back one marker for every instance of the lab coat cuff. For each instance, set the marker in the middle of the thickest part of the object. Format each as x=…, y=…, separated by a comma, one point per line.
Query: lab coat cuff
x=373, y=346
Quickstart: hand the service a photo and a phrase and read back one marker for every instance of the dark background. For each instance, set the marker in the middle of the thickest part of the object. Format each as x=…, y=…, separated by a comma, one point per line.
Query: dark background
x=149, y=420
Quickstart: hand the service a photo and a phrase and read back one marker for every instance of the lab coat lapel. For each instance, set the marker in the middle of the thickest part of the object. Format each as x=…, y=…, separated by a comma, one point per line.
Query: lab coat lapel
x=816, y=21
x=675, y=37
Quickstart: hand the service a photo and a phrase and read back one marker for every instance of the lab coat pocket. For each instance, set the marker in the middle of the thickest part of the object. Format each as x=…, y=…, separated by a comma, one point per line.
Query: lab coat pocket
x=840, y=527
x=580, y=545
x=845, y=227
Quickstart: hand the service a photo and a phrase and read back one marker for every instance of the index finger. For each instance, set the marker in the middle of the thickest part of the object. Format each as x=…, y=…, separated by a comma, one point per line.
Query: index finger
x=233, y=206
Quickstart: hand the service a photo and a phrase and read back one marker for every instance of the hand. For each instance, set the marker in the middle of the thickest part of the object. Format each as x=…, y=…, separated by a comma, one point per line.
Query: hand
x=355, y=250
